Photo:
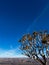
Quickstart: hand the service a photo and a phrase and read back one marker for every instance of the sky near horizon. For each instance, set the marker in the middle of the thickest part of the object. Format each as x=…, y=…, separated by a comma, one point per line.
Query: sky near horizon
x=18, y=17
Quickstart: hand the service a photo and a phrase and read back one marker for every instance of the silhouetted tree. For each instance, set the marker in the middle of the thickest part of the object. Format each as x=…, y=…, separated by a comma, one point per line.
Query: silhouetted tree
x=36, y=46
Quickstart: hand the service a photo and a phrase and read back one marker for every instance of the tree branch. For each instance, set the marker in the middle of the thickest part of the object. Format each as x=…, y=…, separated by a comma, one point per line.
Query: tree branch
x=44, y=58
x=40, y=60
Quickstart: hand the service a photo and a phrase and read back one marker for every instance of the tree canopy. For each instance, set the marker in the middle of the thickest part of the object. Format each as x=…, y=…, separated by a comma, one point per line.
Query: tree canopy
x=36, y=45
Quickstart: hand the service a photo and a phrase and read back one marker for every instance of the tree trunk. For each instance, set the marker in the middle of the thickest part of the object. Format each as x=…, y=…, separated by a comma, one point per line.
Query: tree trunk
x=40, y=60
x=42, y=63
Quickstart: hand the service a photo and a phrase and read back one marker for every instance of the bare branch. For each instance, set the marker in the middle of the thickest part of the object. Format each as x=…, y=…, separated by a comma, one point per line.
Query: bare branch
x=34, y=45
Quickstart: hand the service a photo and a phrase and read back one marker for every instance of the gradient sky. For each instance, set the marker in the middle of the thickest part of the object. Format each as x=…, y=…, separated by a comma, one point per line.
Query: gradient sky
x=18, y=17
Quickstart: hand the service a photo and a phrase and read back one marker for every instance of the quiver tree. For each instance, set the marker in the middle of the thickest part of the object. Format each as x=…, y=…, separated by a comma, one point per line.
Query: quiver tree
x=36, y=46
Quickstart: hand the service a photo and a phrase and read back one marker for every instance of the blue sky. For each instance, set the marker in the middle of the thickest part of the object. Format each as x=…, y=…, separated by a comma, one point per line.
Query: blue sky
x=18, y=17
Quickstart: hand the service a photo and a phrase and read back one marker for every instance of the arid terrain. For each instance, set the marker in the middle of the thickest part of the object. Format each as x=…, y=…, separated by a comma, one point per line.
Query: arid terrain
x=18, y=61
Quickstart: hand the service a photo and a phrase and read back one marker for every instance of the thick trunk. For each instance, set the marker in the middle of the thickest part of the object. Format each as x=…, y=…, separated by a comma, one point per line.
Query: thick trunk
x=42, y=63
x=40, y=60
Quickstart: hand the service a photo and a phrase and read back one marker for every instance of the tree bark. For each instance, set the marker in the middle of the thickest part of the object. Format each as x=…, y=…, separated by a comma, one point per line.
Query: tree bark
x=39, y=60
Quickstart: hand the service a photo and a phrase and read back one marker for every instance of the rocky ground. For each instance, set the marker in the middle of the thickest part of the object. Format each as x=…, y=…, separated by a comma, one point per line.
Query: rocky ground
x=18, y=61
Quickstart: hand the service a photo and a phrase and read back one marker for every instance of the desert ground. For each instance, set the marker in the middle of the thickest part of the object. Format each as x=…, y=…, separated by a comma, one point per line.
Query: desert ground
x=18, y=61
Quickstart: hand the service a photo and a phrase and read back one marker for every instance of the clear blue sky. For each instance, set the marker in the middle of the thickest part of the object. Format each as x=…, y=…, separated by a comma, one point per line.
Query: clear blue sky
x=21, y=16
